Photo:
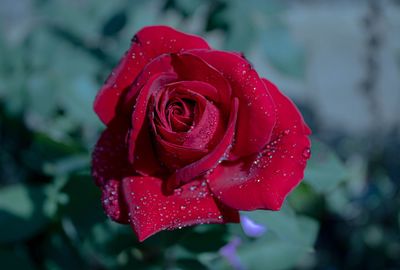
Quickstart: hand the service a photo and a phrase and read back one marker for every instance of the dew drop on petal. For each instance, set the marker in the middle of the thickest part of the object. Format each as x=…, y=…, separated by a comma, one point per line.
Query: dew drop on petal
x=306, y=153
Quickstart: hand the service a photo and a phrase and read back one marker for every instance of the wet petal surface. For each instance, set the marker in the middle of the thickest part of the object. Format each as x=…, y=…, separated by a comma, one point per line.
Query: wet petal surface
x=211, y=160
x=147, y=44
x=263, y=181
x=151, y=211
x=255, y=101
x=110, y=165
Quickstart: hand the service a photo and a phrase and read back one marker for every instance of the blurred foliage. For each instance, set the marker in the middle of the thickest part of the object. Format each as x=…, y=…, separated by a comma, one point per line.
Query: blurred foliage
x=56, y=54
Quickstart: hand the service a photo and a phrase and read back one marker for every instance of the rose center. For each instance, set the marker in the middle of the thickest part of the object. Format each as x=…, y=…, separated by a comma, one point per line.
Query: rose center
x=179, y=114
x=186, y=124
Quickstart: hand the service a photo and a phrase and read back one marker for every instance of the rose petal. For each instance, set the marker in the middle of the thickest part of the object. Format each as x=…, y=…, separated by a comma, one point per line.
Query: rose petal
x=110, y=165
x=141, y=154
x=192, y=111
x=183, y=64
x=175, y=156
x=151, y=211
x=147, y=44
x=110, y=155
x=208, y=131
x=263, y=181
x=202, y=88
x=209, y=161
x=207, y=124
x=140, y=113
x=255, y=101
x=113, y=202
x=158, y=66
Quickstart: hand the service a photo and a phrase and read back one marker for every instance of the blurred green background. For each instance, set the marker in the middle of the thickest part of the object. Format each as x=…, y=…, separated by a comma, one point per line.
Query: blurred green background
x=339, y=61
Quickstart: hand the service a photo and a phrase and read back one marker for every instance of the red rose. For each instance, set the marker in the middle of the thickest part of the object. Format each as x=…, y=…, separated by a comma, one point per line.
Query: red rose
x=193, y=135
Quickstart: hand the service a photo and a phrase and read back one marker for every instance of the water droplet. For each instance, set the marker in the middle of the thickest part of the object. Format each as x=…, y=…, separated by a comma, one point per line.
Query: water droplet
x=307, y=153
x=286, y=131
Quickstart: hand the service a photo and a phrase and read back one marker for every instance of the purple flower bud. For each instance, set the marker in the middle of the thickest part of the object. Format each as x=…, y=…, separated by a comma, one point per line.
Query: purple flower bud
x=251, y=228
x=229, y=253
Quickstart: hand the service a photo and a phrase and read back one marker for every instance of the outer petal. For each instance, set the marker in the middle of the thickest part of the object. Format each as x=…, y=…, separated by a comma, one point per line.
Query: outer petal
x=263, y=181
x=151, y=211
x=147, y=44
x=154, y=75
x=140, y=113
x=112, y=201
x=110, y=165
x=255, y=101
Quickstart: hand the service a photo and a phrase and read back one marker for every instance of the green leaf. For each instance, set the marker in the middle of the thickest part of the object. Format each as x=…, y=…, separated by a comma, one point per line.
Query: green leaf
x=203, y=239
x=289, y=237
x=243, y=32
x=59, y=254
x=115, y=23
x=188, y=7
x=190, y=264
x=12, y=76
x=83, y=211
x=277, y=254
x=71, y=85
x=110, y=243
x=91, y=233
x=45, y=150
x=308, y=228
x=15, y=259
x=283, y=53
x=324, y=171
x=67, y=165
x=285, y=225
x=23, y=212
